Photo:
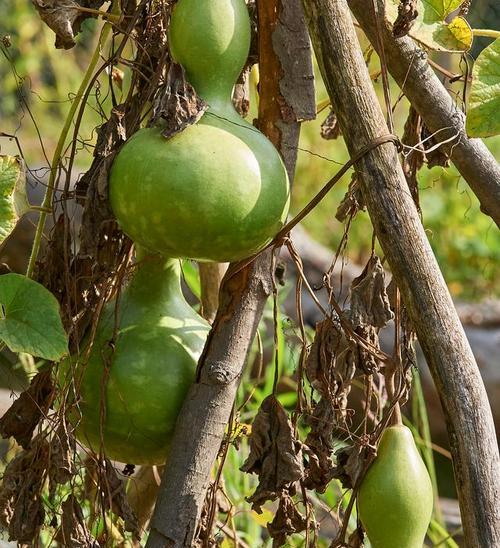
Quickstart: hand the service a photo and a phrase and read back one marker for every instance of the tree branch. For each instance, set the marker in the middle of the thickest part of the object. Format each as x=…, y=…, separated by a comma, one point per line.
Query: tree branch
x=415, y=270
x=202, y=423
x=408, y=65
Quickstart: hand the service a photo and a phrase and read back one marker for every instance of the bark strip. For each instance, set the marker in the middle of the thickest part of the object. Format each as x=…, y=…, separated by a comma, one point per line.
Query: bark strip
x=395, y=218
x=408, y=65
x=202, y=423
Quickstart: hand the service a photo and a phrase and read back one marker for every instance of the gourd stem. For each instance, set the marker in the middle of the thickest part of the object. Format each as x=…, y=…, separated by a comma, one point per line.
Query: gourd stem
x=487, y=33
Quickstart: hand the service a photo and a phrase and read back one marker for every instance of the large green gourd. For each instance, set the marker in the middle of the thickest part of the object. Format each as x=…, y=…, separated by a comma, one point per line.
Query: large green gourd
x=218, y=190
x=158, y=342
x=395, y=498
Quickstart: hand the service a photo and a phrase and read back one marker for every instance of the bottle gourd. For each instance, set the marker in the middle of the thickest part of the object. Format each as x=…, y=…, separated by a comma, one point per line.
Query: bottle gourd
x=132, y=386
x=217, y=191
x=395, y=498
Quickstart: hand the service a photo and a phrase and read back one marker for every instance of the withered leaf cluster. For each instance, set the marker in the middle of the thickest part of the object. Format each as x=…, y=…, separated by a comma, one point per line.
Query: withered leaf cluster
x=369, y=301
x=334, y=359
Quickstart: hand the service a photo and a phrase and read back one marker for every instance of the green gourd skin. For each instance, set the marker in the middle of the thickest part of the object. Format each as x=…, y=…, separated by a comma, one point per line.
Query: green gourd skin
x=159, y=340
x=395, y=499
x=217, y=191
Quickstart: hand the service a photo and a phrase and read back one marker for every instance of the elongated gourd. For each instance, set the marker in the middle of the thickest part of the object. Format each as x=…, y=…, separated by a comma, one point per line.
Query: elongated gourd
x=132, y=386
x=395, y=498
x=218, y=190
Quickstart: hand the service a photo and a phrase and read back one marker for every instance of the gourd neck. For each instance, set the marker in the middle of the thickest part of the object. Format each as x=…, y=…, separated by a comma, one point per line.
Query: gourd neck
x=211, y=40
x=220, y=104
x=155, y=279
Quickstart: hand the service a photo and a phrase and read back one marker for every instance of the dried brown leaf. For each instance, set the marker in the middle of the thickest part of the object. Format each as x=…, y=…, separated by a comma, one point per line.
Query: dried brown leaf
x=319, y=445
x=23, y=416
x=330, y=128
x=62, y=457
x=438, y=156
x=65, y=18
x=275, y=455
x=369, y=302
x=414, y=160
x=352, y=462
x=21, y=503
x=179, y=106
x=356, y=538
x=115, y=498
x=287, y=520
x=241, y=94
x=352, y=202
x=51, y=268
x=73, y=531
x=407, y=13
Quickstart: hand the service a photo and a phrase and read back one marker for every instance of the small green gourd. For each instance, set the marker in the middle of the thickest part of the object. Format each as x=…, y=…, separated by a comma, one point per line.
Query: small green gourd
x=132, y=388
x=217, y=191
x=395, y=498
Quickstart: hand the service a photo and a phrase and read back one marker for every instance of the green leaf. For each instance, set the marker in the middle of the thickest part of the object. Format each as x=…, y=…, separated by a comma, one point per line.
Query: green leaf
x=30, y=320
x=483, y=108
x=438, y=10
x=13, y=200
x=430, y=27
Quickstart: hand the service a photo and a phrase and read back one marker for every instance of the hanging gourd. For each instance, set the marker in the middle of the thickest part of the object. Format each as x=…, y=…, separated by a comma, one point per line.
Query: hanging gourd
x=135, y=379
x=395, y=498
x=217, y=191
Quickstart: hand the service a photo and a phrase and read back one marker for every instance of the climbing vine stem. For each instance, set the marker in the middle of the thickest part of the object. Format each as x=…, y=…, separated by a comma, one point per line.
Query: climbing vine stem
x=46, y=206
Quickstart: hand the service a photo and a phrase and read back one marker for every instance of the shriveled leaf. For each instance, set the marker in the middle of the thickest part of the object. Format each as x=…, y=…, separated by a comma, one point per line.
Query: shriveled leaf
x=65, y=17
x=319, y=445
x=21, y=504
x=274, y=454
x=356, y=538
x=369, y=301
x=330, y=128
x=352, y=202
x=30, y=320
x=431, y=29
x=287, y=521
x=23, y=416
x=483, y=110
x=179, y=106
x=74, y=531
x=407, y=13
x=352, y=462
x=62, y=457
x=13, y=200
x=115, y=492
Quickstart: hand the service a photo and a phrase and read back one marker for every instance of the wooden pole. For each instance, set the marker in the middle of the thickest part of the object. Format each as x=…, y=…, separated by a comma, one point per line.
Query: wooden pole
x=395, y=219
